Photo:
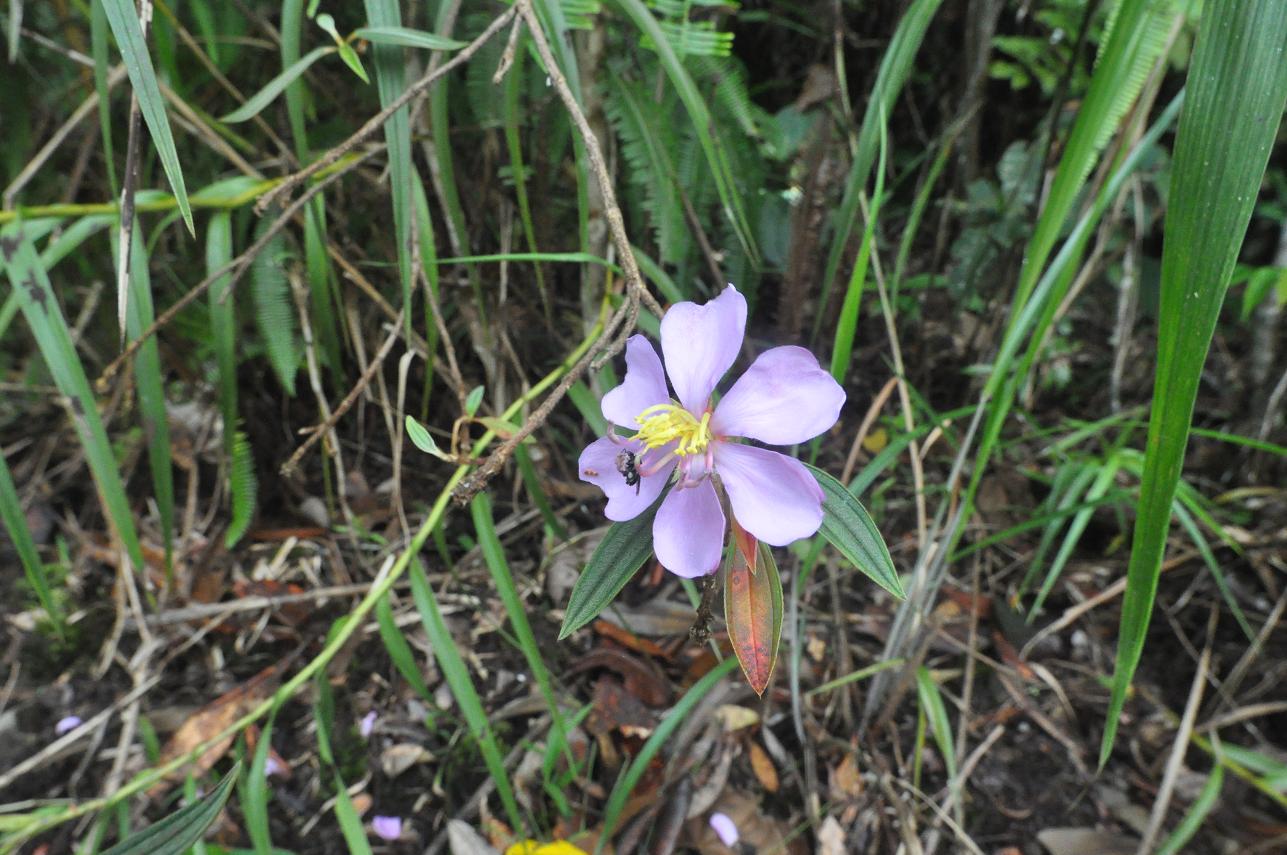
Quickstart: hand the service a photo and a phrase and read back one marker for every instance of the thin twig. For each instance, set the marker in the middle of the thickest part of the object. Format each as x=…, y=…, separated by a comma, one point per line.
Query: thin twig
x=128, y=185
x=316, y=433
x=622, y=322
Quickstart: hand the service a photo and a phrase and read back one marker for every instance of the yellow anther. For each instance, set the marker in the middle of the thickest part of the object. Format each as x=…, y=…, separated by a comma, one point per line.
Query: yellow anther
x=666, y=423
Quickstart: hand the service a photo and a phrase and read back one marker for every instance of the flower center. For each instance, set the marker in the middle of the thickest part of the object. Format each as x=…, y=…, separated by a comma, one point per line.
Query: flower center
x=665, y=423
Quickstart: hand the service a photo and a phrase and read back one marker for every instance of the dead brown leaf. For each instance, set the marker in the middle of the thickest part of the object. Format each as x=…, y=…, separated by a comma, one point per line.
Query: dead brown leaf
x=211, y=720
x=765, y=772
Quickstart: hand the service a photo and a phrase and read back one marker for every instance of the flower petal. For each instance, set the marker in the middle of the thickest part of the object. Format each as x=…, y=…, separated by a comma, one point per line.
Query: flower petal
x=598, y=465
x=700, y=344
x=688, y=533
x=772, y=496
x=644, y=386
x=785, y=397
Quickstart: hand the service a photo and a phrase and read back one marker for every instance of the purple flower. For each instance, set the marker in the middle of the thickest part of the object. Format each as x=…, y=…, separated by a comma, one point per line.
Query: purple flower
x=67, y=723
x=387, y=827
x=725, y=828
x=367, y=725
x=784, y=398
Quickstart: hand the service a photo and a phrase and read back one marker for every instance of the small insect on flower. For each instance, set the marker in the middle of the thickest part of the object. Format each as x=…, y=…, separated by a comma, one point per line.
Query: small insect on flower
x=627, y=466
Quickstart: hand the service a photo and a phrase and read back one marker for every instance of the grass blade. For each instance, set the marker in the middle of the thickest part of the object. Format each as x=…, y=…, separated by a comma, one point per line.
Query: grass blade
x=1236, y=91
x=261, y=99
x=15, y=522
x=49, y=327
x=151, y=391
x=462, y=688
x=124, y=21
x=389, y=79
x=894, y=70
x=407, y=37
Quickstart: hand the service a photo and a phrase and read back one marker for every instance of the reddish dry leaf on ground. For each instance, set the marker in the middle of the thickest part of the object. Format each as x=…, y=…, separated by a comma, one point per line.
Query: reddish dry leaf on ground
x=211, y=720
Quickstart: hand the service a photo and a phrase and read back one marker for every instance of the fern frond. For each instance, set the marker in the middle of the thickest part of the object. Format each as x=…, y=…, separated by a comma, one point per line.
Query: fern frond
x=243, y=488
x=274, y=312
x=648, y=142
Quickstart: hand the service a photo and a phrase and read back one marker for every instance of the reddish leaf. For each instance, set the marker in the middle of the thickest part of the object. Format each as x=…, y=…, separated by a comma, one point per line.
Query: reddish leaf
x=753, y=613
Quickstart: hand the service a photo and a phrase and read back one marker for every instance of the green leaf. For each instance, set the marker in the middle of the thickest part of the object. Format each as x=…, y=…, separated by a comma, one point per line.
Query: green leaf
x=15, y=522
x=407, y=37
x=1237, y=87
x=181, y=829
x=847, y=526
x=456, y=673
x=931, y=701
x=390, y=80
x=275, y=87
x=894, y=69
x=474, y=400
x=1197, y=813
x=149, y=377
x=124, y=21
x=350, y=57
x=620, y=554
x=422, y=439
x=53, y=338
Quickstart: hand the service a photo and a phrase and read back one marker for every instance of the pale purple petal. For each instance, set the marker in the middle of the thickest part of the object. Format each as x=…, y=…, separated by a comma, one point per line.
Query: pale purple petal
x=644, y=386
x=783, y=398
x=67, y=724
x=700, y=344
x=688, y=533
x=271, y=767
x=598, y=465
x=387, y=827
x=772, y=496
x=725, y=828
x=367, y=725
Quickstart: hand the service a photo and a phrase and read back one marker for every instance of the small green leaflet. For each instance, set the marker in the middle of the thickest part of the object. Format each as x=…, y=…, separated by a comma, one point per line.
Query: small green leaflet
x=422, y=439
x=350, y=57
x=178, y=831
x=474, y=400
x=621, y=553
x=847, y=526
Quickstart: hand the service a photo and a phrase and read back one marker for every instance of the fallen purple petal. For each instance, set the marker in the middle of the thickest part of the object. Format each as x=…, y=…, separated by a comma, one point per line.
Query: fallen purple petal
x=67, y=723
x=367, y=725
x=387, y=827
x=271, y=767
x=725, y=828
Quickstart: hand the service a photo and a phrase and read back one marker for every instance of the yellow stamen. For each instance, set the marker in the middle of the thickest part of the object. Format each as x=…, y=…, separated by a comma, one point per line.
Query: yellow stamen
x=665, y=423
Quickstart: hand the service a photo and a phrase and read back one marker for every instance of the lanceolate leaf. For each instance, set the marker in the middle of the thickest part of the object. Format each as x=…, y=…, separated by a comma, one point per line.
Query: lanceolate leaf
x=15, y=522
x=1237, y=86
x=847, y=526
x=48, y=326
x=178, y=831
x=124, y=21
x=621, y=553
x=753, y=614
x=406, y=37
x=275, y=87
